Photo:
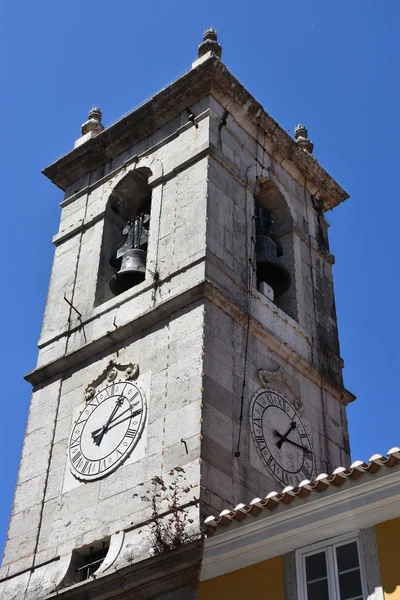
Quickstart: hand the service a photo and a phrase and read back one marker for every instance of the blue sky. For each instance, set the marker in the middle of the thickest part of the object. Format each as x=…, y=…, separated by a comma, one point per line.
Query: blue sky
x=330, y=65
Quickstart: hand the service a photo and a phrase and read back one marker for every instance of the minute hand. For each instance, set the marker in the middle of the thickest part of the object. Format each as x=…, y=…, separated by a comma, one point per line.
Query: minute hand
x=98, y=435
x=298, y=445
x=119, y=416
x=134, y=414
x=114, y=412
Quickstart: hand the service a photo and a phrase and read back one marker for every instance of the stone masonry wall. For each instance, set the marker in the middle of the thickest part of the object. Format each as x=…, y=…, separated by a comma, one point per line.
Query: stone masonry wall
x=186, y=327
x=235, y=178
x=176, y=242
x=52, y=512
x=226, y=479
x=275, y=338
x=73, y=514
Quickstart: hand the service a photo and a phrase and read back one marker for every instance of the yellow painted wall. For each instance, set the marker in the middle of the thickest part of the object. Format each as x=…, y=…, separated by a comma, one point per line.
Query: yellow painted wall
x=263, y=580
x=388, y=542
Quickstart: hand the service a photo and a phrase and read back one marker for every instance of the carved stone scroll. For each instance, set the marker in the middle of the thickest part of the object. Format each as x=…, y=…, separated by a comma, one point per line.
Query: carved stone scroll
x=110, y=373
x=277, y=382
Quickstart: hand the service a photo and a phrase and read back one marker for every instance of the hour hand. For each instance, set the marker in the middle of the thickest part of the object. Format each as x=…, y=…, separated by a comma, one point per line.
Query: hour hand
x=284, y=437
x=97, y=435
x=280, y=441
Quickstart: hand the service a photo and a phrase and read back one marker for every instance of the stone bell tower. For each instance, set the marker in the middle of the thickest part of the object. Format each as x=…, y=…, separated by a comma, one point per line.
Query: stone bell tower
x=189, y=355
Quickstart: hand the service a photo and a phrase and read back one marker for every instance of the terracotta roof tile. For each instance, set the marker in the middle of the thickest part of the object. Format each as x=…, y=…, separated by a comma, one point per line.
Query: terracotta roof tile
x=305, y=489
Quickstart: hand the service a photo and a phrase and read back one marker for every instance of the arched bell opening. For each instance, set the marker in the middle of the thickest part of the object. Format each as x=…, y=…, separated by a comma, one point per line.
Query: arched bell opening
x=125, y=236
x=274, y=248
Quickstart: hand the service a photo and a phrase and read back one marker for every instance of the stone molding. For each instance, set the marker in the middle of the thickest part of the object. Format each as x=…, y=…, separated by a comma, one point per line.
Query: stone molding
x=113, y=178
x=275, y=381
x=114, y=336
x=209, y=291
x=110, y=373
x=153, y=577
x=175, y=574
x=211, y=77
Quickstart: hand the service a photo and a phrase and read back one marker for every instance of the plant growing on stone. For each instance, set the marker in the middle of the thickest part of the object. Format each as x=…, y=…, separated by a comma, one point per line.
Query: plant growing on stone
x=168, y=532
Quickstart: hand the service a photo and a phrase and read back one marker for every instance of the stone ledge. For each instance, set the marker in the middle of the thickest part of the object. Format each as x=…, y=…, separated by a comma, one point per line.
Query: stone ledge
x=211, y=77
x=284, y=351
x=208, y=290
x=112, y=338
x=175, y=573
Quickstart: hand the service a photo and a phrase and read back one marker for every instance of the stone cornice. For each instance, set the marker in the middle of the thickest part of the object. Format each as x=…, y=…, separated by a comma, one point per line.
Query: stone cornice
x=206, y=289
x=286, y=353
x=110, y=338
x=149, y=578
x=210, y=77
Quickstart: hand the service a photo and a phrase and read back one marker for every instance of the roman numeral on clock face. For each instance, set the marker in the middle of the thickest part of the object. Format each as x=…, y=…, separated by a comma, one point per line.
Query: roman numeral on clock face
x=271, y=464
x=76, y=457
x=308, y=454
x=131, y=433
x=276, y=400
x=260, y=441
x=110, y=391
x=134, y=395
x=86, y=467
x=306, y=472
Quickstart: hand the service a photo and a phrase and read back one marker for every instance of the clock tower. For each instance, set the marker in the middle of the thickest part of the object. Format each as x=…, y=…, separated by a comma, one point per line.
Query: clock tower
x=189, y=354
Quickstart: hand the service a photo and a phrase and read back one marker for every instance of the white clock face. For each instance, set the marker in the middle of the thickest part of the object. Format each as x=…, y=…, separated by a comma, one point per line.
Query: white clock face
x=281, y=438
x=106, y=430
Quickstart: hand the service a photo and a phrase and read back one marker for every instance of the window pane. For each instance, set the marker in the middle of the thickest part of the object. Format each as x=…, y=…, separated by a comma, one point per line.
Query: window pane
x=347, y=556
x=350, y=585
x=318, y=590
x=315, y=566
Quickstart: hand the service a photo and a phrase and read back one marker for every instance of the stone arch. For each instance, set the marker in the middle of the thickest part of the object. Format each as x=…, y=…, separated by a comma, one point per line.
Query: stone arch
x=281, y=226
x=131, y=194
x=129, y=199
x=274, y=198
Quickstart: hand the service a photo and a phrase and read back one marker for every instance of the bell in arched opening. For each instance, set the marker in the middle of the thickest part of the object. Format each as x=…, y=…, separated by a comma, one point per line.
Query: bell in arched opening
x=130, y=259
x=269, y=269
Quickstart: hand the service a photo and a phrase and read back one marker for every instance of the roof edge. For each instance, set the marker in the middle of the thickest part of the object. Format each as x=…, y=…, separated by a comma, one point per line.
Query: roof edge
x=209, y=77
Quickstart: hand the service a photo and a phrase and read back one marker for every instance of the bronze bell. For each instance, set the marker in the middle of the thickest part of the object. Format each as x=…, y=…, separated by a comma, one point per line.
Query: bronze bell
x=130, y=259
x=268, y=268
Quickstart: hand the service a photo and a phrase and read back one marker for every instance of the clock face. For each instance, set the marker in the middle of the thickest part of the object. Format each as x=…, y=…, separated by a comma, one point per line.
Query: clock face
x=281, y=438
x=106, y=430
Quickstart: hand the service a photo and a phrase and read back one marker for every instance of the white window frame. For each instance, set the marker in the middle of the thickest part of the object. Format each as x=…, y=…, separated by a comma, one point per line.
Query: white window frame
x=329, y=547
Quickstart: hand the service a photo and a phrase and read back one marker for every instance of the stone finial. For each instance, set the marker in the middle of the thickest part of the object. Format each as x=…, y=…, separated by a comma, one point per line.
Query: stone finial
x=93, y=125
x=301, y=137
x=210, y=44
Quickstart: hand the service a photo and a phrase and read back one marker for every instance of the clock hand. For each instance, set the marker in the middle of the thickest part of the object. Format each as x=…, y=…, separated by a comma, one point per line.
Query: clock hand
x=119, y=403
x=119, y=416
x=98, y=434
x=135, y=414
x=284, y=437
x=125, y=411
x=299, y=446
